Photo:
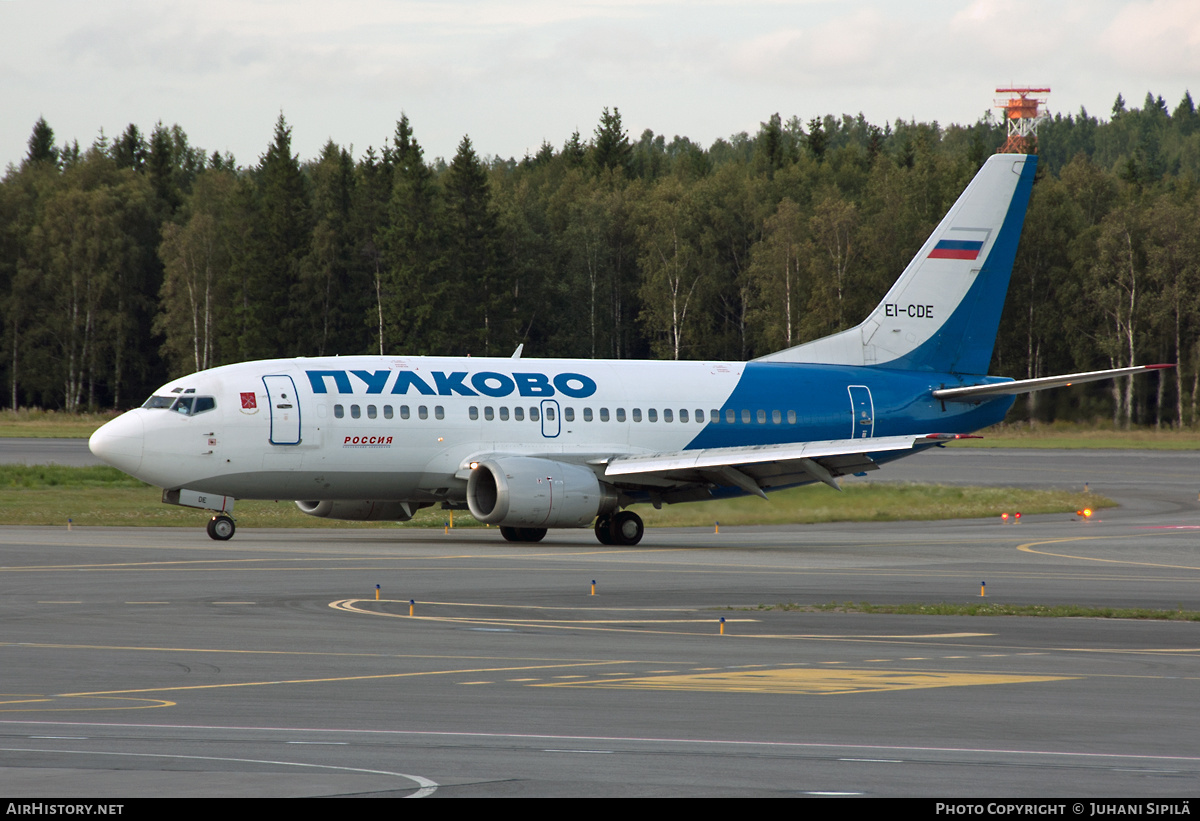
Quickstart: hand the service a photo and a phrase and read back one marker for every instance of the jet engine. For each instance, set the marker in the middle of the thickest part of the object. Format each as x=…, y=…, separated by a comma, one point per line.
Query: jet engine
x=364, y=511
x=526, y=491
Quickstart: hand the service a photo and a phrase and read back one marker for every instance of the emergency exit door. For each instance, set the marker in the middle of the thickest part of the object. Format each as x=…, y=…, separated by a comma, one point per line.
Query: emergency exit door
x=863, y=411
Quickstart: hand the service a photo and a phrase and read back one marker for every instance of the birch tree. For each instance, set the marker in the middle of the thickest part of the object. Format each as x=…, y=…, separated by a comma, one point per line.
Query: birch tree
x=670, y=263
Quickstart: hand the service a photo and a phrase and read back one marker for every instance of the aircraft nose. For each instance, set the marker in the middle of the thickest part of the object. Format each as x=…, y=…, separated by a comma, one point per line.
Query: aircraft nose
x=119, y=442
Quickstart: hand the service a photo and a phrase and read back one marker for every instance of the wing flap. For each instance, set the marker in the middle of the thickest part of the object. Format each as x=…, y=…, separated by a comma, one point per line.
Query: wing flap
x=756, y=469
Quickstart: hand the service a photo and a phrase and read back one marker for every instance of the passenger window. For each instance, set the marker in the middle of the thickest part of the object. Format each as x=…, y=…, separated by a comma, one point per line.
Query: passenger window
x=338, y=412
x=667, y=417
x=745, y=417
x=473, y=412
x=620, y=414
x=504, y=414
x=518, y=414
x=372, y=412
x=604, y=414
x=730, y=415
x=637, y=414
x=762, y=417
x=587, y=414
x=422, y=412
x=533, y=414
x=355, y=412
x=488, y=413
x=404, y=411
x=568, y=414
x=652, y=415
x=791, y=417
x=387, y=411
x=439, y=412
x=683, y=415
x=714, y=416
x=776, y=417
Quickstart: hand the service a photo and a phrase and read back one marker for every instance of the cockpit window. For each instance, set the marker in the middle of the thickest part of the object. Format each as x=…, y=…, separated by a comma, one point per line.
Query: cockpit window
x=186, y=405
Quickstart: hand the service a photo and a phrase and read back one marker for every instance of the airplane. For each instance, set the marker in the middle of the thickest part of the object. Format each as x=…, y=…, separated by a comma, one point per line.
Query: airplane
x=532, y=444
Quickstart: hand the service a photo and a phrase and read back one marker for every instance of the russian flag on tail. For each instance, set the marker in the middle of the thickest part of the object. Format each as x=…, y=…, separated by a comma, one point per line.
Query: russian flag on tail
x=956, y=249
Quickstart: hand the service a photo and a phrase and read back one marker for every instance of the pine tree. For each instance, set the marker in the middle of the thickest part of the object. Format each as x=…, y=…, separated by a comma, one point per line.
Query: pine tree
x=417, y=290
x=271, y=319
x=368, y=226
x=160, y=164
x=41, y=145
x=332, y=302
x=574, y=151
x=1184, y=117
x=130, y=149
x=611, y=149
x=769, y=146
x=474, y=254
x=818, y=141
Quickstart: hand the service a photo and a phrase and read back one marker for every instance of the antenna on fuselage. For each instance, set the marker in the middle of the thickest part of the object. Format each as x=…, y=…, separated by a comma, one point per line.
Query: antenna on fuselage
x=517, y=352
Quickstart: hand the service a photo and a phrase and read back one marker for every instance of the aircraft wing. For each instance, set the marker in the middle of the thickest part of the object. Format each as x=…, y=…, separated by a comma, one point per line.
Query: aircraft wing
x=972, y=392
x=688, y=474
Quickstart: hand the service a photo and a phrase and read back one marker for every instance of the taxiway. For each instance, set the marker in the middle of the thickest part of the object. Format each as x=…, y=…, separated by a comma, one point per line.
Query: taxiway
x=157, y=662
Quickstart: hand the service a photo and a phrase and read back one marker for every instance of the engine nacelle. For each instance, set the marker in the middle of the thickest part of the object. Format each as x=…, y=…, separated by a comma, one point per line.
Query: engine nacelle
x=364, y=511
x=525, y=491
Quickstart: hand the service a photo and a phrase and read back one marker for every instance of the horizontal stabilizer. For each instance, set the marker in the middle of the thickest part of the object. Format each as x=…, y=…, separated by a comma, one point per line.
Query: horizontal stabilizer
x=974, y=392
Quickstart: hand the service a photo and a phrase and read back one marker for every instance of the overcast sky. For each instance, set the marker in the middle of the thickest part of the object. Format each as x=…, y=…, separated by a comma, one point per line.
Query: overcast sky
x=512, y=73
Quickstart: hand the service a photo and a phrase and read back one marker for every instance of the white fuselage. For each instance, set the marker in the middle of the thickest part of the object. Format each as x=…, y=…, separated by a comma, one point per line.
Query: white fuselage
x=273, y=434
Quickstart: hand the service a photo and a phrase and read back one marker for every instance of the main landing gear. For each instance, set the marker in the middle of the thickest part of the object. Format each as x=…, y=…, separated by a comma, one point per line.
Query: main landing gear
x=221, y=528
x=624, y=528
x=523, y=534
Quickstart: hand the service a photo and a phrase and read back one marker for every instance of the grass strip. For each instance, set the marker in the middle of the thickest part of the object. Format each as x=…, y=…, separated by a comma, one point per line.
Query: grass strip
x=1058, y=611
x=866, y=501
x=1080, y=436
x=31, y=423
x=50, y=495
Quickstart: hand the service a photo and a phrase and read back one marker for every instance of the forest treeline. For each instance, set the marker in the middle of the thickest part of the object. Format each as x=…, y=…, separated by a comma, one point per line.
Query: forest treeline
x=141, y=258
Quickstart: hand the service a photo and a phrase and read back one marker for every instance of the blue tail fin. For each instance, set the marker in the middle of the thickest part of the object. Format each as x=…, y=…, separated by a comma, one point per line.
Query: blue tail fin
x=943, y=312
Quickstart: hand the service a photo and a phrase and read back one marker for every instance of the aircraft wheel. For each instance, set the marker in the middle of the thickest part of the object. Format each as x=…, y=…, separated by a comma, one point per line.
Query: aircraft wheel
x=604, y=529
x=221, y=528
x=627, y=528
x=523, y=534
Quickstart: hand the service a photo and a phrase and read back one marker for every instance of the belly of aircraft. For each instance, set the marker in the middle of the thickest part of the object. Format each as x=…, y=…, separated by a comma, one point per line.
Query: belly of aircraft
x=324, y=484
